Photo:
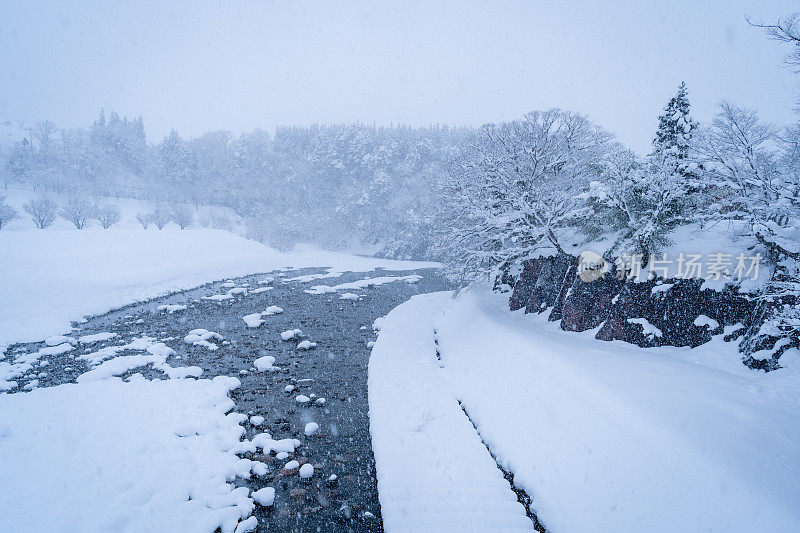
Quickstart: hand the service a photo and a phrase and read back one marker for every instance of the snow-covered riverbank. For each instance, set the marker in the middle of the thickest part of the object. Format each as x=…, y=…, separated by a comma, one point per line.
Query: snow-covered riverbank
x=51, y=277
x=602, y=436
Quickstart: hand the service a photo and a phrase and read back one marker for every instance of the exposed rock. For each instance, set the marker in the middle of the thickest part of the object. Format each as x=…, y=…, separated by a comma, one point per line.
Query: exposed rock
x=667, y=307
x=297, y=493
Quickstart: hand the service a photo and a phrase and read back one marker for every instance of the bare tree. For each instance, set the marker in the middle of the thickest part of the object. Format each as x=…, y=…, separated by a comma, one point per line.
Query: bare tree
x=78, y=211
x=7, y=213
x=44, y=132
x=108, y=215
x=182, y=215
x=160, y=217
x=144, y=219
x=42, y=212
x=786, y=30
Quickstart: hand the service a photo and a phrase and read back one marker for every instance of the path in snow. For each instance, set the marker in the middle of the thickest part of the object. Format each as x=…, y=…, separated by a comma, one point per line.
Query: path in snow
x=336, y=370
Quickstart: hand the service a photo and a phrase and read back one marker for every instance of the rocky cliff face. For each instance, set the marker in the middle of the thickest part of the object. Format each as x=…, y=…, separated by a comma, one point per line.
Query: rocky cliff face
x=673, y=312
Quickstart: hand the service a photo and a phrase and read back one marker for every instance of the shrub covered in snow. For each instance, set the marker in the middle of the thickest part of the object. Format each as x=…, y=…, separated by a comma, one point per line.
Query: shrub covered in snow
x=42, y=212
x=182, y=215
x=108, y=215
x=78, y=211
x=160, y=217
x=144, y=219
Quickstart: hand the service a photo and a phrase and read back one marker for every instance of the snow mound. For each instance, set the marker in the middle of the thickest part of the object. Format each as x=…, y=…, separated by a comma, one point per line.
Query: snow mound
x=264, y=497
x=648, y=329
x=203, y=337
x=704, y=320
x=263, y=364
x=272, y=310
x=290, y=334
x=171, y=308
x=362, y=284
x=306, y=471
x=96, y=337
x=60, y=339
x=254, y=320
x=99, y=453
x=259, y=290
x=306, y=345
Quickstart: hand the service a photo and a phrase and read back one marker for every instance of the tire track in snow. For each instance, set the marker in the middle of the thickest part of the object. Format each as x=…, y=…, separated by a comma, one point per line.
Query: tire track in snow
x=522, y=496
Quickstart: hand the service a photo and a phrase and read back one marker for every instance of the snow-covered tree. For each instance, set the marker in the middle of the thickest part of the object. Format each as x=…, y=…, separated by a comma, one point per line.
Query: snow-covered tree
x=108, y=215
x=78, y=211
x=675, y=128
x=18, y=163
x=745, y=176
x=7, y=213
x=787, y=30
x=182, y=215
x=516, y=187
x=42, y=212
x=144, y=219
x=160, y=217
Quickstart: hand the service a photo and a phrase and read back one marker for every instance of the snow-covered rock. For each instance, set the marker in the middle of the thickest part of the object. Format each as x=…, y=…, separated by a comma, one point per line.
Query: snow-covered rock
x=202, y=337
x=253, y=320
x=306, y=345
x=290, y=334
x=306, y=471
x=704, y=320
x=171, y=308
x=262, y=364
x=264, y=497
x=60, y=339
x=96, y=337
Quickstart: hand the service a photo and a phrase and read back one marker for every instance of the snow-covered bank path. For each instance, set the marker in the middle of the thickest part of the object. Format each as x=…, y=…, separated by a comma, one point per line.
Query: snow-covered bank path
x=602, y=436
x=314, y=390
x=434, y=473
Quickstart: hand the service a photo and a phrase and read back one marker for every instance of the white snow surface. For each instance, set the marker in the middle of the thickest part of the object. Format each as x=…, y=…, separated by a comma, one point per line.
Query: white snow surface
x=265, y=496
x=605, y=436
x=434, y=473
x=95, y=270
x=97, y=337
x=253, y=320
x=362, y=284
x=99, y=454
x=262, y=364
x=290, y=334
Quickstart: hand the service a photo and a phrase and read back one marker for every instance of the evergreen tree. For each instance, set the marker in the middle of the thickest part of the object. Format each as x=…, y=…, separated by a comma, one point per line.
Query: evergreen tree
x=675, y=128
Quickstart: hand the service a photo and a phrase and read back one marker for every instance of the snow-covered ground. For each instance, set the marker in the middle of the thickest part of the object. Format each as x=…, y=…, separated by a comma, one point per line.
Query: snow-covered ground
x=434, y=474
x=603, y=436
x=53, y=276
x=108, y=456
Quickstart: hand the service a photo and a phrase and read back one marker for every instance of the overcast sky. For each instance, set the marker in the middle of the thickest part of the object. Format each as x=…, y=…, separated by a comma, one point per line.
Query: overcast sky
x=235, y=65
